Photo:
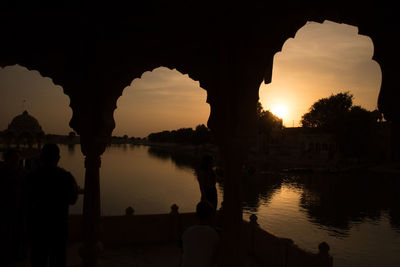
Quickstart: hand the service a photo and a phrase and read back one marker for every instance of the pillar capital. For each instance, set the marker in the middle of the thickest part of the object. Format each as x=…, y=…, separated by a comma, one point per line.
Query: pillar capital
x=92, y=161
x=92, y=145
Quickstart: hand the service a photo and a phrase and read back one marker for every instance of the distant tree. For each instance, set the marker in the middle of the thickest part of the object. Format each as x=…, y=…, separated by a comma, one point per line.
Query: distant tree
x=162, y=137
x=260, y=109
x=354, y=128
x=267, y=121
x=326, y=113
x=202, y=135
x=183, y=135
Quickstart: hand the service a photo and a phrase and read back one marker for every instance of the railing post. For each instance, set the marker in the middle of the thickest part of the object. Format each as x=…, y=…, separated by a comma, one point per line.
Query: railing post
x=129, y=211
x=220, y=215
x=174, y=218
x=253, y=226
x=323, y=255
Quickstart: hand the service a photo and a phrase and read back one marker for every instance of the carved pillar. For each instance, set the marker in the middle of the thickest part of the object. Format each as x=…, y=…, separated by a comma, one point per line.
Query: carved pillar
x=232, y=251
x=233, y=124
x=91, y=211
x=93, y=121
x=92, y=148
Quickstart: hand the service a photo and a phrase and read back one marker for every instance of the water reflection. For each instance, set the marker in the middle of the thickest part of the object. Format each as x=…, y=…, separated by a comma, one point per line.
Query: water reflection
x=335, y=201
x=353, y=212
x=341, y=200
x=256, y=188
x=182, y=159
x=259, y=188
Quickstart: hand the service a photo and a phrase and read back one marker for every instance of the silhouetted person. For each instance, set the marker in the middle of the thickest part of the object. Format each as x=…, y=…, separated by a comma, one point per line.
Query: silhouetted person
x=12, y=207
x=51, y=191
x=200, y=242
x=207, y=181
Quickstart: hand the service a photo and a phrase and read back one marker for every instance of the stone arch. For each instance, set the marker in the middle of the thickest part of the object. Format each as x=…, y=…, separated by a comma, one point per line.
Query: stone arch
x=39, y=81
x=287, y=44
x=161, y=76
x=90, y=54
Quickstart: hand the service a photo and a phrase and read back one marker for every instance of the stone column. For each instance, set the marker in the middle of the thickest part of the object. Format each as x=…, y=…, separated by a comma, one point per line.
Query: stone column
x=232, y=251
x=233, y=123
x=92, y=148
x=93, y=121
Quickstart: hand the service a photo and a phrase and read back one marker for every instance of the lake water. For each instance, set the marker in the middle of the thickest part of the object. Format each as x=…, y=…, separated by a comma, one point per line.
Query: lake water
x=357, y=215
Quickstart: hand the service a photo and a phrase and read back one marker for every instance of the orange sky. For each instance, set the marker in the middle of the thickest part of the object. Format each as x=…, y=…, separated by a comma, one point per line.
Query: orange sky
x=322, y=59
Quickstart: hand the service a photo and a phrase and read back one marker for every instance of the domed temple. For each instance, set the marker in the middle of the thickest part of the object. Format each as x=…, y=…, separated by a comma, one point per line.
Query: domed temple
x=94, y=52
x=24, y=129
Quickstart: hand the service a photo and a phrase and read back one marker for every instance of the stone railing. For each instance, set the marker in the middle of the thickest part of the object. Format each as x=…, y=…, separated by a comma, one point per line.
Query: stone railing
x=137, y=229
x=265, y=248
x=270, y=250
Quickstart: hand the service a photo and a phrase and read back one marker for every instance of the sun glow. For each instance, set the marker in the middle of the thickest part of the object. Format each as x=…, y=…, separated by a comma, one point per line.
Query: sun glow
x=280, y=111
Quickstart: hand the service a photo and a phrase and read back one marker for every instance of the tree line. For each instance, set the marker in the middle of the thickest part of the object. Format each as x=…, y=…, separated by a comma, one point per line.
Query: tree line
x=266, y=121
x=356, y=130
x=200, y=135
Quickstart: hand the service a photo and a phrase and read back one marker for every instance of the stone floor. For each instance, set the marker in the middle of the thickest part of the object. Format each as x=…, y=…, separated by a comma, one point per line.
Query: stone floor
x=154, y=255
x=167, y=255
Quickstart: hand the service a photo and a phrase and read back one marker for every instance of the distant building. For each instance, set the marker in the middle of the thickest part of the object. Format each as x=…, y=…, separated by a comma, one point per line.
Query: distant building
x=24, y=129
x=307, y=142
x=298, y=146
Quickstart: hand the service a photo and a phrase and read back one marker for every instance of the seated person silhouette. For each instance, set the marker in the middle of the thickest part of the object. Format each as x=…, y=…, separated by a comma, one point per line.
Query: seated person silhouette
x=51, y=190
x=200, y=242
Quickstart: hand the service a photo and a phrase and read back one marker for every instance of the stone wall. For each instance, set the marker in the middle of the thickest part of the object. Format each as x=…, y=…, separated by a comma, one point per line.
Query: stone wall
x=264, y=247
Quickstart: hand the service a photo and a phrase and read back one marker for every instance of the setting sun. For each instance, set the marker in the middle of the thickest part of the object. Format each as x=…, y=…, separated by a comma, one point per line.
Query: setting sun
x=280, y=111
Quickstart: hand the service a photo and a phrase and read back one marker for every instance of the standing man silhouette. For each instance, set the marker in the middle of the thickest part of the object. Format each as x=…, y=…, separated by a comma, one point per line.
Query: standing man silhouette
x=51, y=190
x=207, y=181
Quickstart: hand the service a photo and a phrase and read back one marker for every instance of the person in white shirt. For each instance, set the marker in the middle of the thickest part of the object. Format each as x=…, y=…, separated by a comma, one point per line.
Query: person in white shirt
x=200, y=242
